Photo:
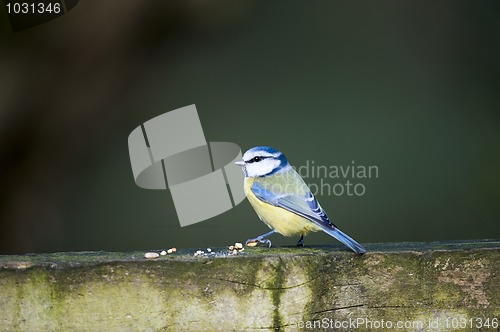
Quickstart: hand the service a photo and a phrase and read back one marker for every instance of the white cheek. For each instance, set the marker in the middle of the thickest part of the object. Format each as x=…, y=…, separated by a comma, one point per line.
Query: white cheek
x=262, y=168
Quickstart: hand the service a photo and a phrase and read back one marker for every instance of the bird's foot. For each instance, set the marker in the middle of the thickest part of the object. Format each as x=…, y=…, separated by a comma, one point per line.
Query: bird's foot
x=258, y=239
x=300, y=243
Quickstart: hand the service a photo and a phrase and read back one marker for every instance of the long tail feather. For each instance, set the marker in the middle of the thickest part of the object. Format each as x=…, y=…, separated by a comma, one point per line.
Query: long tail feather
x=345, y=239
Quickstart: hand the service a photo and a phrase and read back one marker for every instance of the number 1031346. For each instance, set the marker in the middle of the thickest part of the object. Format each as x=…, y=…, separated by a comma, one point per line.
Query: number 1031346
x=33, y=8
x=471, y=323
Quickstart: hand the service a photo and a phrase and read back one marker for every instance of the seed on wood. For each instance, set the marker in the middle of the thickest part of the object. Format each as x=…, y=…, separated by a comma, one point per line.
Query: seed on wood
x=151, y=255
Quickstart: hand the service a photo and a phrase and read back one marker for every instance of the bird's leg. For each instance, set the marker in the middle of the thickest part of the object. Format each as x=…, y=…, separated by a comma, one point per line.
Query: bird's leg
x=300, y=243
x=262, y=239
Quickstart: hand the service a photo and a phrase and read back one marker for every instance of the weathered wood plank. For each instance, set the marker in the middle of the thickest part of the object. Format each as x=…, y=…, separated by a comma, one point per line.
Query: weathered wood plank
x=426, y=286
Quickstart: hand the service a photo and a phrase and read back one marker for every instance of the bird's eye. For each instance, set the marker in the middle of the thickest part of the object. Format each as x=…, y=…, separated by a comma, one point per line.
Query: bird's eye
x=257, y=159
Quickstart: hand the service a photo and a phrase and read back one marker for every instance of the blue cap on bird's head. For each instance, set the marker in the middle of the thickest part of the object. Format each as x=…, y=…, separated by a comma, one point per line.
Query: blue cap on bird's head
x=262, y=161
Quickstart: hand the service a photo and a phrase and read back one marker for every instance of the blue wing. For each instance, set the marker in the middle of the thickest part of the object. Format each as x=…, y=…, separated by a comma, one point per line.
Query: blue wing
x=305, y=205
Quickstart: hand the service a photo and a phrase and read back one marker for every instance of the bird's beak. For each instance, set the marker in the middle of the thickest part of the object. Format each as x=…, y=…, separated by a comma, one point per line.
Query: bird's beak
x=240, y=163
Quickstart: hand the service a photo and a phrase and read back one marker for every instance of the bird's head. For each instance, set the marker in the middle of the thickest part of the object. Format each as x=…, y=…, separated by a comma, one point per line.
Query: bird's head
x=262, y=161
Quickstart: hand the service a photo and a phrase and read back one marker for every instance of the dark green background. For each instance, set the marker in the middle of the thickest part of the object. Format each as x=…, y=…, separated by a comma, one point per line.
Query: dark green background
x=411, y=87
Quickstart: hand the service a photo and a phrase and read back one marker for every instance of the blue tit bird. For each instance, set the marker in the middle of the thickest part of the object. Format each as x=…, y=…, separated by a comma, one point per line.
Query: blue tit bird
x=282, y=199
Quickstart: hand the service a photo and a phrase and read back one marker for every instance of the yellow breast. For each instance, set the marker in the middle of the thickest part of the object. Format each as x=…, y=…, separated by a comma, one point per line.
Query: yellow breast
x=283, y=221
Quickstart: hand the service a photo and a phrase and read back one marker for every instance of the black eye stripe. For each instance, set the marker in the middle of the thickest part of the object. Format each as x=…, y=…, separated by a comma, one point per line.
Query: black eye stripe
x=256, y=159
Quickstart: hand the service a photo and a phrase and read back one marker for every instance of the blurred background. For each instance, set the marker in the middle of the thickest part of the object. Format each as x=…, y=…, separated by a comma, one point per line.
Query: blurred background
x=411, y=87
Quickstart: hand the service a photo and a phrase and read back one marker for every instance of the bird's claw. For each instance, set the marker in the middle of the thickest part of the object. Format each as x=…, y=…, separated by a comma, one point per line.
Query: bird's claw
x=260, y=240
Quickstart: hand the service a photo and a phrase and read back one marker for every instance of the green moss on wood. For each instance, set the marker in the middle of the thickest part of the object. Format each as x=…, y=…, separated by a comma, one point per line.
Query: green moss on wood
x=259, y=289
